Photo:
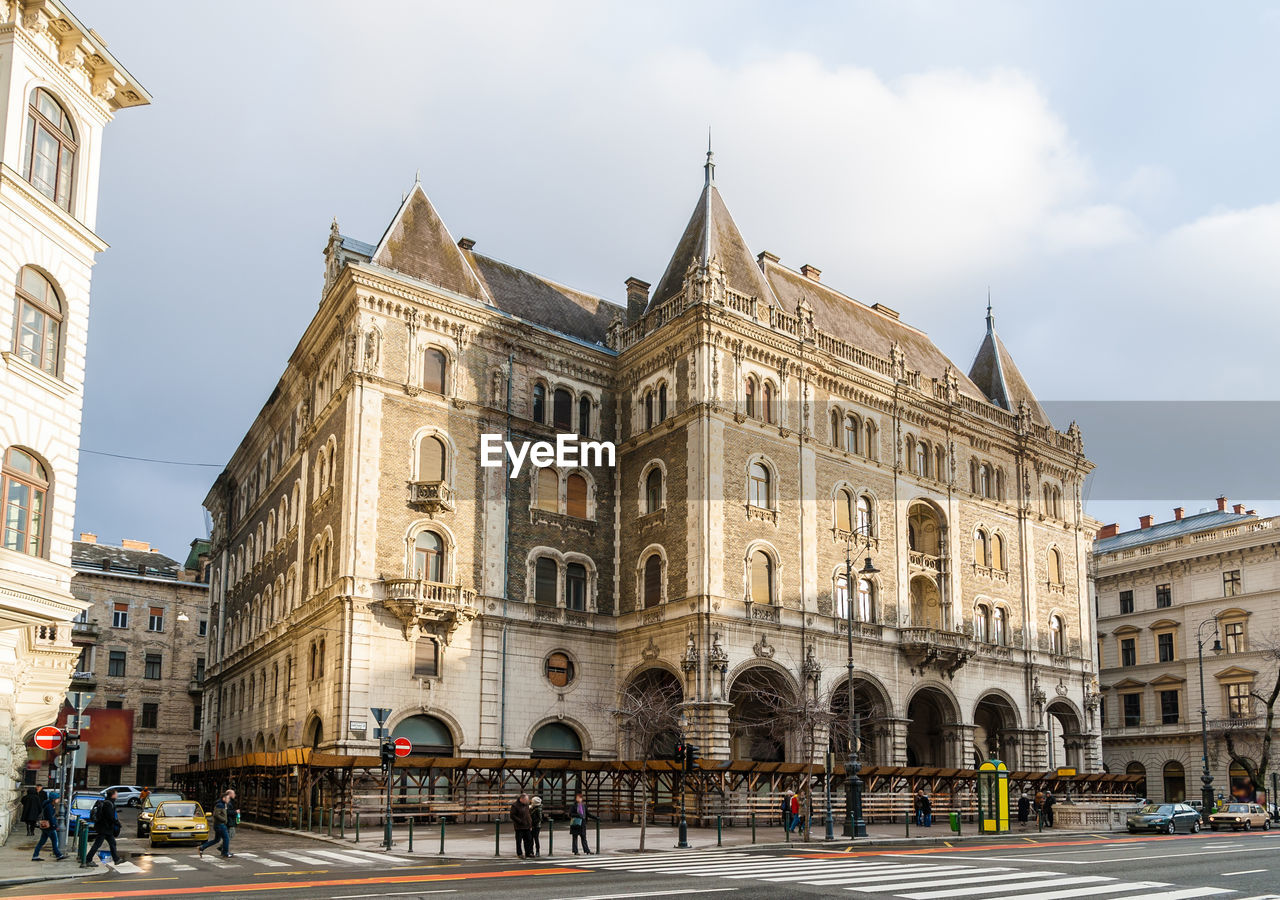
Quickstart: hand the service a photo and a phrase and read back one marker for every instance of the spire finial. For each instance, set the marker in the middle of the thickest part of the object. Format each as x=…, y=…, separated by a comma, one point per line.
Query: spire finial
x=417, y=176
x=991, y=320
x=710, y=167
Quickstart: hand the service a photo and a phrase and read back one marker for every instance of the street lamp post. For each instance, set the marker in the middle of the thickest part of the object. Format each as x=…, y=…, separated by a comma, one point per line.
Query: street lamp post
x=683, y=842
x=855, y=825
x=1206, y=789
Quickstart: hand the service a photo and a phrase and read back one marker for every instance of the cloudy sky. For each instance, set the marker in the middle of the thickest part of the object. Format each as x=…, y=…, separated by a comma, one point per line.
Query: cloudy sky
x=1107, y=169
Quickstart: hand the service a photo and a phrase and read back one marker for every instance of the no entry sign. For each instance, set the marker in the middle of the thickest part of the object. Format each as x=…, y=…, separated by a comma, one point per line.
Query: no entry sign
x=403, y=746
x=48, y=738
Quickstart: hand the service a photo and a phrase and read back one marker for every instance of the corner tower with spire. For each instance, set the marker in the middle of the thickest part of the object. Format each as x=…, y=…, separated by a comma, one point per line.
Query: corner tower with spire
x=996, y=375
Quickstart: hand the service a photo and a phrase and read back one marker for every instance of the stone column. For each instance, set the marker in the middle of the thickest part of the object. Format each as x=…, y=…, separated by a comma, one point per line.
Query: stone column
x=896, y=741
x=709, y=727
x=960, y=741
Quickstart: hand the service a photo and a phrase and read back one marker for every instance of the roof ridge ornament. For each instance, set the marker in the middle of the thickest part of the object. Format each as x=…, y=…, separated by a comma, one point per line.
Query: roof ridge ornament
x=710, y=166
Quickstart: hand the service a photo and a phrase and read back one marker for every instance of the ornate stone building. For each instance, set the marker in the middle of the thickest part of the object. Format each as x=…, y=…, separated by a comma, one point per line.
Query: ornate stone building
x=1162, y=589
x=59, y=88
x=364, y=558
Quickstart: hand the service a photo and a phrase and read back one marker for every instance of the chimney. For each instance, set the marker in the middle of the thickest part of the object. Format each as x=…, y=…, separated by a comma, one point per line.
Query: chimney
x=811, y=272
x=1178, y=513
x=885, y=310
x=1250, y=512
x=764, y=256
x=1107, y=531
x=129, y=544
x=1222, y=504
x=637, y=298
x=1146, y=521
x=88, y=537
x=465, y=244
x=1238, y=509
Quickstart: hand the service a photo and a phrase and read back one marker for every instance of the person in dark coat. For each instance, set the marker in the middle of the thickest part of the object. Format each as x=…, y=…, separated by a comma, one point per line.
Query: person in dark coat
x=522, y=821
x=106, y=822
x=1024, y=809
x=1048, y=809
x=579, y=813
x=48, y=819
x=220, y=832
x=536, y=815
x=32, y=805
x=926, y=808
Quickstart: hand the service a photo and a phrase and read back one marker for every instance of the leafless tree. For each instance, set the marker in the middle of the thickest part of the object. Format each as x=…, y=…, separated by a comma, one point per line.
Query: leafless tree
x=1249, y=742
x=648, y=713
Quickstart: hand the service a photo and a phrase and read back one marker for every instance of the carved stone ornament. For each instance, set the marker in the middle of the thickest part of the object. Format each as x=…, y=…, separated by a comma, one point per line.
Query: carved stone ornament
x=812, y=668
x=690, y=661
x=718, y=657
x=763, y=649
x=1061, y=689
x=650, y=652
x=426, y=608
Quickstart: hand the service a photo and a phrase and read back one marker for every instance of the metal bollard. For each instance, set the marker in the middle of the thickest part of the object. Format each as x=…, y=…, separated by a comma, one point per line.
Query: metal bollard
x=719, y=831
x=597, y=834
x=753, y=826
x=906, y=817
x=442, y=835
x=331, y=821
x=411, y=834
x=551, y=836
x=497, y=838
x=82, y=841
x=342, y=824
x=309, y=810
x=357, y=828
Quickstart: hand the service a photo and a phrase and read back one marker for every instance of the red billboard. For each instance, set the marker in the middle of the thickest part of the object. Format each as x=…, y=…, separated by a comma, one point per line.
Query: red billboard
x=109, y=735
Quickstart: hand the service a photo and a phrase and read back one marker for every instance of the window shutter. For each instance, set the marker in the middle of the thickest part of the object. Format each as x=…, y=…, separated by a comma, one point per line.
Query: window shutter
x=653, y=581
x=548, y=490
x=844, y=517
x=431, y=460
x=433, y=371
x=577, y=496
x=761, y=577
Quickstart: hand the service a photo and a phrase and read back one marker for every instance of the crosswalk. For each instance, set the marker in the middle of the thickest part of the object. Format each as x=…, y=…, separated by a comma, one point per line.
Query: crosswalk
x=311, y=858
x=908, y=878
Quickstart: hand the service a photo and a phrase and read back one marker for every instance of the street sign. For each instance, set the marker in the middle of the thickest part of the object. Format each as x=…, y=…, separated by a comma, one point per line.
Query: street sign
x=48, y=738
x=380, y=713
x=79, y=700
x=403, y=746
x=1064, y=772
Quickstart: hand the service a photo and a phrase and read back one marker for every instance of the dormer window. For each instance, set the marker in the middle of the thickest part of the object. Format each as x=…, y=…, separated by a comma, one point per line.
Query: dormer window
x=49, y=151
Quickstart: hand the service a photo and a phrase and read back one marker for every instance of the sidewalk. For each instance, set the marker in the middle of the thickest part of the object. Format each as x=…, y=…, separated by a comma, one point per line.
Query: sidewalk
x=17, y=867
x=477, y=841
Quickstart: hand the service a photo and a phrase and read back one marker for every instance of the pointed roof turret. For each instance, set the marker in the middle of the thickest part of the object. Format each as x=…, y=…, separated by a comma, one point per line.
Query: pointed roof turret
x=418, y=244
x=712, y=235
x=995, y=374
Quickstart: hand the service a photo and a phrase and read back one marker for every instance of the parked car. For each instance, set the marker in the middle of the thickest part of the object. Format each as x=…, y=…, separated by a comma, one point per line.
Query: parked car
x=1166, y=817
x=81, y=806
x=149, y=809
x=126, y=794
x=1240, y=815
x=176, y=821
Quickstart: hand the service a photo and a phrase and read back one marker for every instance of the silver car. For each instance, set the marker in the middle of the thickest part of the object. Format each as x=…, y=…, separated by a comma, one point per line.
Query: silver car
x=126, y=794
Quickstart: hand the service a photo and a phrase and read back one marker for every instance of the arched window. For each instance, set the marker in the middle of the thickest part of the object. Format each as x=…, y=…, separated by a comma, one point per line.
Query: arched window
x=751, y=391
x=320, y=664
x=997, y=626
x=981, y=617
x=652, y=580
x=761, y=577
x=922, y=459
x=1055, y=566
x=841, y=605
x=39, y=321
x=576, y=496
x=24, y=494
x=49, y=152
x=767, y=411
x=940, y=463
x=662, y=402
x=584, y=416
x=575, y=587
x=548, y=489
x=758, y=493
x=980, y=548
x=844, y=510
x=311, y=668
x=866, y=610
x=851, y=433
x=546, y=574
x=869, y=443
x=997, y=552
x=562, y=410
x=539, y=402
x=434, y=369
x=653, y=490
x=648, y=409
x=1056, y=645
x=984, y=480
x=866, y=522
x=431, y=459
x=836, y=440
x=428, y=557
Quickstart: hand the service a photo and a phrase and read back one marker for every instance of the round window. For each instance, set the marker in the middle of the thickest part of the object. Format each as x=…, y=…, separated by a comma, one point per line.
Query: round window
x=559, y=669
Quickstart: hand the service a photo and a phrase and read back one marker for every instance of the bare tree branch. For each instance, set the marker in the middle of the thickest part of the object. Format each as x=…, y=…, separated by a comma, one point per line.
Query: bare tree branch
x=648, y=712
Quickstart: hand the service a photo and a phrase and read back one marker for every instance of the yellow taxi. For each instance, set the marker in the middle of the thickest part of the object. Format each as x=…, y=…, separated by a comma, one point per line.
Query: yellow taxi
x=176, y=821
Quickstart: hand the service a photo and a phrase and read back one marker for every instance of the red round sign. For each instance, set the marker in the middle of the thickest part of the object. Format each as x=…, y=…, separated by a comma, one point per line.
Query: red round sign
x=48, y=738
x=403, y=746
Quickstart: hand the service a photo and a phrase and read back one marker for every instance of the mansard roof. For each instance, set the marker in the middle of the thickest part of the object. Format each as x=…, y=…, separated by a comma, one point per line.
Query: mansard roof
x=712, y=235
x=994, y=372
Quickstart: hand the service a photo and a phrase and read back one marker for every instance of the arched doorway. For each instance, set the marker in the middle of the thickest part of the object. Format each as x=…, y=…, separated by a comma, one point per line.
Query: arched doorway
x=314, y=733
x=871, y=709
x=756, y=730
x=1136, y=768
x=1064, y=736
x=660, y=691
x=429, y=735
x=555, y=740
x=994, y=721
x=1241, y=785
x=929, y=736
x=1175, y=782
x=260, y=743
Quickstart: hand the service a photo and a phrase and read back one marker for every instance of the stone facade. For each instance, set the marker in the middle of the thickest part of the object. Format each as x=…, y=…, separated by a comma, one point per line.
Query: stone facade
x=357, y=537
x=47, y=245
x=1163, y=589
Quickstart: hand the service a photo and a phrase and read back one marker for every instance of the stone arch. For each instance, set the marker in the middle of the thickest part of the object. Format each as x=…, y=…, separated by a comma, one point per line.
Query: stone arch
x=642, y=493
x=428, y=732
x=553, y=737
x=873, y=708
x=259, y=743
x=447, y=538
x=933, y=736
x=450, y=452
x=996, y=721
x=1137, y=768
x=751, y=733
x=313, y=731
x=663, y=676
x=1066, y=734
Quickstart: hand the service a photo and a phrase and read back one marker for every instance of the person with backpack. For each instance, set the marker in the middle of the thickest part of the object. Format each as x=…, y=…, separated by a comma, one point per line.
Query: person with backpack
x=48, y=825
x=535, y=814
x=787, y=824
x=106, y=822
x=220, y=832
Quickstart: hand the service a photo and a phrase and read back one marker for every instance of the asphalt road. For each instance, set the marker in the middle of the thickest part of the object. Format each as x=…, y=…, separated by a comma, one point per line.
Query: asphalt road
x=1105, y=867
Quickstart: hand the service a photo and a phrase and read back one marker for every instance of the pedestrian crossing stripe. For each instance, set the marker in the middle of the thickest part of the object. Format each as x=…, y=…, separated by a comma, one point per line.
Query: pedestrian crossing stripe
x=268, y=858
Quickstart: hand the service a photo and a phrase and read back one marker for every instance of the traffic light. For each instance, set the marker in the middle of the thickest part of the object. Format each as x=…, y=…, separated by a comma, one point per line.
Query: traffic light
x=690, y=754
x=388, y=754
x=678, y=755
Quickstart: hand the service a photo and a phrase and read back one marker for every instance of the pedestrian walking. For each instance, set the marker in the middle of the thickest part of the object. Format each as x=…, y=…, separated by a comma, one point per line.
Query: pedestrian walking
x=48, y=825
x=522, y=821
x=106, y=822
x=1024, y=809
x=787, y=822
x=917, y=806
x=535, y=815
x=1048, y=809
x=579, y=813
x=220, y=832
x=795, y=810
x=926, y=807
x=32, y=805
x=233, y=813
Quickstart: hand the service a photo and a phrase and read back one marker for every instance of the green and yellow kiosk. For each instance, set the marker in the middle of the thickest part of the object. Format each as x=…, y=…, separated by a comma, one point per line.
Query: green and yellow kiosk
x=993, y=796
